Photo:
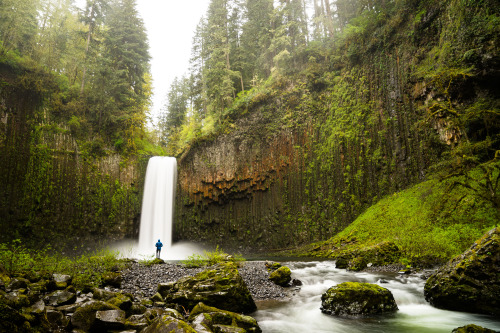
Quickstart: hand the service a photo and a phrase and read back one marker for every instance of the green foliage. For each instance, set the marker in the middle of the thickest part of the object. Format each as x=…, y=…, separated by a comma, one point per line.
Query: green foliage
x=432, y=219
x=87, y=270
x=210, y=258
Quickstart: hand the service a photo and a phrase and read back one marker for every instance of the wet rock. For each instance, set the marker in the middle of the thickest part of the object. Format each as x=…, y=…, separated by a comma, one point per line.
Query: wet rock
x=121, y=301
x=357, y=299
x=37, y=308
x=61, y=281
x=281, y=276
x=10, y=319
x=272, y=266
x=16, y=300
x=471, y=281
x=136, y=322
x=113, y=279
x=57, y=319
x=18, y=283
x=210, y=317
x=84, y=317
x=221, y=286
x=342, y=262
x=109, y=320
x=103, y=294
x=61, y=297
x=166, y=324
x=472, y=329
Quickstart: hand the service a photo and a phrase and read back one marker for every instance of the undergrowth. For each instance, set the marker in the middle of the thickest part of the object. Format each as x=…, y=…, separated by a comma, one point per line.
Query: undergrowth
x=87, y=270
x=210, y=258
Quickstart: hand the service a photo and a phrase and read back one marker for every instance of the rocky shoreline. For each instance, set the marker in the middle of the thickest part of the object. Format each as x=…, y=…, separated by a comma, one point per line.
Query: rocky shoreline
x=142, y=280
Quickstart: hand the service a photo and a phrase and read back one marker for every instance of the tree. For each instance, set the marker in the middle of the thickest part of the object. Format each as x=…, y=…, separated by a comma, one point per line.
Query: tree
x=19, y=24
x=174, y=111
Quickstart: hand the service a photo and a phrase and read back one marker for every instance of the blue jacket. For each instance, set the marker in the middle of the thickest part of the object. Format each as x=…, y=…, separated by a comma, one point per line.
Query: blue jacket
x=159, y=244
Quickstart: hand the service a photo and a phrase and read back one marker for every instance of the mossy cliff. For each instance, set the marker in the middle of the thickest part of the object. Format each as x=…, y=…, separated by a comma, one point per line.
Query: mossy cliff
x=54, y=189
x=302, y=155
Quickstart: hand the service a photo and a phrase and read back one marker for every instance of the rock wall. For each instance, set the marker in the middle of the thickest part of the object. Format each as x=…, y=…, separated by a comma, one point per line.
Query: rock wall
x=51, y=191
x=261, y=189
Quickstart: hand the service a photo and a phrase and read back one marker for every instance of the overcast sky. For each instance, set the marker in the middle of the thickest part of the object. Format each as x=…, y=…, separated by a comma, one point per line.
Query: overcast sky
x=170, y=26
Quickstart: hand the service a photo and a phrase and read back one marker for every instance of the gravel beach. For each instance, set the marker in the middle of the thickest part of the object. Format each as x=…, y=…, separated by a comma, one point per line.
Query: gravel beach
x=142, y=281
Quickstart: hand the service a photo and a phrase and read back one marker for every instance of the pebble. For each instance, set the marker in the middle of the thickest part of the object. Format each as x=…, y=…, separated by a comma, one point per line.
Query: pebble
x=138, y=277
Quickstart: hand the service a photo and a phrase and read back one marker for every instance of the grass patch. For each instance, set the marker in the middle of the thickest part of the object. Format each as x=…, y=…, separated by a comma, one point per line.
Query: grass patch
x=86, y=270
x=210, y=258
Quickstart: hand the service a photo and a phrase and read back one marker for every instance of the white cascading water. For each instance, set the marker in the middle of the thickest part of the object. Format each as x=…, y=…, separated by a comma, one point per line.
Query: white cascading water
x=158, y=204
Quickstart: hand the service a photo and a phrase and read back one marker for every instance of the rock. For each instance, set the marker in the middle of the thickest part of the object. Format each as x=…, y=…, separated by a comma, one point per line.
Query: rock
x=227, y=329
x=102, y=294
x=220, y=317
x=61, y=297
x=84, y=316
x=166, y=324
x=357, y=299
x=202, y=323
x=113, y=279
x=61, y=281
x=157, y=297
x=471, y=281
x=272, y=266
x=221, y=286
x=342, y=262
x=18, y=283
x=57, y=318
x=472, y=329
x=37, y=308
x=121, y=301
x=136, y=322
x=10, y=319
x=16, y=300
x=357, y=264
x=109, y=320
x=281, y=276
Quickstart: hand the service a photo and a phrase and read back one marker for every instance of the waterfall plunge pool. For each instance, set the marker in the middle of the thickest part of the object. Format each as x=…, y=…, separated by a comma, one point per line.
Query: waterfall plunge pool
x=302, y=312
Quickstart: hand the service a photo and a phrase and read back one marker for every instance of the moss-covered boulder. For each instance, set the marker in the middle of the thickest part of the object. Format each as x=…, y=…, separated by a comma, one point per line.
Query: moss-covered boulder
x=471, y=281
x=60, y=281
x=167, y=324
x=113, y=279
x=282, y=276
x=472, y=329
x=205, y=317
x=121, y=301
x=85, y=316
x=61, y=297
x=11, y=320
x=357, y=299
x=221, y=286
x=381, y=254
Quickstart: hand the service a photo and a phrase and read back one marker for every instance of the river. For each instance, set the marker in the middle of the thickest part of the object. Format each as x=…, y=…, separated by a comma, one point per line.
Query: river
x=302, y=313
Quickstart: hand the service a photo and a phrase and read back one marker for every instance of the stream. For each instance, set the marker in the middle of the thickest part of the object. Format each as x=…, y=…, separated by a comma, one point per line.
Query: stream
x=302, y=313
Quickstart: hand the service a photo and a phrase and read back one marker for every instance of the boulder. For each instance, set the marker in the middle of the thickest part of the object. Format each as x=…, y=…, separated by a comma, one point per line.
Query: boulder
x=10, y=319
x=61, y=297
x=61, y=281
x=136, y=322
x=471, y=281
x=378, y=255
x=18, y=283
x=205, y=317
x=281, y=276
x=103, y=294
x=472, y=329
x=113, y=279
x=221, y=286
x=85, y=316
x=109, y=320
x=121, y=301
x=167, y=324
x=16, y=300
x=357, y=299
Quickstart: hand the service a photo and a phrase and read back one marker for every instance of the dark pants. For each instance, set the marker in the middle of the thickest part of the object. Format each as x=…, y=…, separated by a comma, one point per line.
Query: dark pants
x=158, y=250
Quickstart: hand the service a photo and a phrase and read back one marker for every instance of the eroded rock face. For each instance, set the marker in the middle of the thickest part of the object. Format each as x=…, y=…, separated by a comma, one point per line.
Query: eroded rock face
x=222, y=287
x=357, y=299
x=471, y=281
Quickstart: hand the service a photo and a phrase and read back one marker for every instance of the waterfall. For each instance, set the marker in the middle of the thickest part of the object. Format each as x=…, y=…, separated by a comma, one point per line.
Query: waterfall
x=158, y=204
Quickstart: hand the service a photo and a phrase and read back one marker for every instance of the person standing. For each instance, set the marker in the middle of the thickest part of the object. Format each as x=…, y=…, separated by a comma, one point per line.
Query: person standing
x=158, y=248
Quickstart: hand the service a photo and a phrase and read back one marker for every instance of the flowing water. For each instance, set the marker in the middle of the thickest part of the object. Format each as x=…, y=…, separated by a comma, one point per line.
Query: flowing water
x=302, y=313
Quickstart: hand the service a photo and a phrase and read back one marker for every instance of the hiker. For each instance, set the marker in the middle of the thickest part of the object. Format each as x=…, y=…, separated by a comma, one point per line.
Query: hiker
x=158, y=248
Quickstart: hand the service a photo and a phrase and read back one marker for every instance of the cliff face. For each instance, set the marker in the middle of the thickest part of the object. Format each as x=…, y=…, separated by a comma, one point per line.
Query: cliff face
x=51, y=191
x=308, y=155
